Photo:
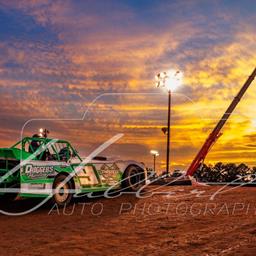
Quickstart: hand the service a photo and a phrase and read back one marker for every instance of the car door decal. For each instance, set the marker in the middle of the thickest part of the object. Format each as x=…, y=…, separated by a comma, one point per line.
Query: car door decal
x=87, y=176
x=109, y=173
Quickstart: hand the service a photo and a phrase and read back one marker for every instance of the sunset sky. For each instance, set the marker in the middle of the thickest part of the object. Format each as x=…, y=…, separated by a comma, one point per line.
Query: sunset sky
x=58, y=56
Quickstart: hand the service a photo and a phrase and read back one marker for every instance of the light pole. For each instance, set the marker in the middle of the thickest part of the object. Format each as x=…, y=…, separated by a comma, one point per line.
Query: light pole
x=169, y=80
x=168, y=133
x=155, y=154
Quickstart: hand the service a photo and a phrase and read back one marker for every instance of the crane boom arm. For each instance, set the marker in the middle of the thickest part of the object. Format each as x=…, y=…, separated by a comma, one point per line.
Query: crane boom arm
x=215, y=134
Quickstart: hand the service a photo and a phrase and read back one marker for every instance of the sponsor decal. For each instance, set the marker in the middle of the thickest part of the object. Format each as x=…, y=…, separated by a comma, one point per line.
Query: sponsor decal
x=37, y=186
x=109, y=173
x=38, y=171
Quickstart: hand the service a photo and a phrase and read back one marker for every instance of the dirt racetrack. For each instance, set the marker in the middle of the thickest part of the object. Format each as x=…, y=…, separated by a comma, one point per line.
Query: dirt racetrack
x=183, y=222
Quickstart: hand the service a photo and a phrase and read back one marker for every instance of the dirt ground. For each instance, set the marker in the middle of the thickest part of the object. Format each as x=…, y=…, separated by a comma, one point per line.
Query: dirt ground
x=174, y=221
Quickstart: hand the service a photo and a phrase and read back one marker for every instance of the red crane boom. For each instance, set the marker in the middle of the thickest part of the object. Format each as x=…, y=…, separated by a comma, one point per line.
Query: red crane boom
x=215, y=134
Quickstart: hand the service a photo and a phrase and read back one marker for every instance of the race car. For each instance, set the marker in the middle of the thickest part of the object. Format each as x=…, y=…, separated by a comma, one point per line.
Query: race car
x=42, y=167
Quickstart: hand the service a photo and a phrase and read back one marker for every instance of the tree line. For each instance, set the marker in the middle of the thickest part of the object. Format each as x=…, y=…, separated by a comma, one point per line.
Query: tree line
x=230, y=172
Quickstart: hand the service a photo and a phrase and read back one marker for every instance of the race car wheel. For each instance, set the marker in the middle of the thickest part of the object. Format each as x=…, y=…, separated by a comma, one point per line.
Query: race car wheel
x=133, y=178
x=62, y=194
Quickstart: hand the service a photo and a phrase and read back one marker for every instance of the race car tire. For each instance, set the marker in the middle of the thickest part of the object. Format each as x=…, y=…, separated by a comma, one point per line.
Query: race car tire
x=133, y=178
x=62, y=194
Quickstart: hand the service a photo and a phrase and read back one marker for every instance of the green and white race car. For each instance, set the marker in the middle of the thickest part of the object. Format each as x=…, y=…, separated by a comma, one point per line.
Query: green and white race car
x=43, y=167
